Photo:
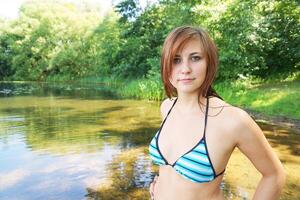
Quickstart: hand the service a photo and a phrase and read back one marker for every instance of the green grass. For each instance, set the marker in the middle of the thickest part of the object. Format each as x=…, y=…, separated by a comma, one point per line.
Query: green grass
x=272, y=99
x=142, y=89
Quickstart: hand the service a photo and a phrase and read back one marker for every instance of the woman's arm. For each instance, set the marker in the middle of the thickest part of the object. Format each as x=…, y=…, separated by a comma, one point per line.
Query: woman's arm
x=152, y=187
x=252, y=142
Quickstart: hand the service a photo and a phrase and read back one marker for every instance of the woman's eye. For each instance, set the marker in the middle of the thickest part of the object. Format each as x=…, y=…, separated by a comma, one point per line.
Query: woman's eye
x=176, y=60
x=196, y=58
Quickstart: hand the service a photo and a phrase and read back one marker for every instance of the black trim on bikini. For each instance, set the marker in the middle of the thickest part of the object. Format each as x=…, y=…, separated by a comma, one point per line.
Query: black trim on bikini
x=167, y=163
x=160, y=131
x=203, y=138
x=205, y=143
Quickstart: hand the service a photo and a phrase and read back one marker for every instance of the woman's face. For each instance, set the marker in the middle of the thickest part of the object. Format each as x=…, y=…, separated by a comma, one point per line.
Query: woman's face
x=189, y=68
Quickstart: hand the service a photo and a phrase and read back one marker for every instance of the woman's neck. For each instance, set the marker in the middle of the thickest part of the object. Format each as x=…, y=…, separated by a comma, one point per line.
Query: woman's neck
x=190, y=103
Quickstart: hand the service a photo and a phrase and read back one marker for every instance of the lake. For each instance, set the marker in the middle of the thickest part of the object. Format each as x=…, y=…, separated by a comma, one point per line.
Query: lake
x=68, y=141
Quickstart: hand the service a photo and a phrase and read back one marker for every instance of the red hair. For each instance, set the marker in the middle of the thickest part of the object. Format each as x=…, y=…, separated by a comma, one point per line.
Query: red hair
x=174, y=43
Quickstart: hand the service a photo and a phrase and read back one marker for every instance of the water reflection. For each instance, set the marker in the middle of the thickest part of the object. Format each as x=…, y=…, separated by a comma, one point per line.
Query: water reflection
x=58, y=147
x=47, y=174
x=129, y=176
x=79, y=91
x=78, y=142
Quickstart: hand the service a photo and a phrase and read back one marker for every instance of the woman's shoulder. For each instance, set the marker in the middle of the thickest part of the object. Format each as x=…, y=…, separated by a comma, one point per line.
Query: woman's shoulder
x=234, y=115
x=166, y=106
x=215, y=102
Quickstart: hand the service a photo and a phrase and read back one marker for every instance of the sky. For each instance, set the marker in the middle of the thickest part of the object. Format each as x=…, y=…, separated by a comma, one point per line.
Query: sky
x=9, y=8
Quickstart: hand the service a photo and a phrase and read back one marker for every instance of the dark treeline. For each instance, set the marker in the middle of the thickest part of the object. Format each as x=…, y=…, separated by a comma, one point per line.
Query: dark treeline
x=72, y=40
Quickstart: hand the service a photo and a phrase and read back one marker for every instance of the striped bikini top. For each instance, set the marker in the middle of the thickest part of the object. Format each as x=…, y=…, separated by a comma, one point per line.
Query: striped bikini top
x=195, y=165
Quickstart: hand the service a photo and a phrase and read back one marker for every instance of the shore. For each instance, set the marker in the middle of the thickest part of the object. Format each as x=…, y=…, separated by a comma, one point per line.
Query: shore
x=285, y=122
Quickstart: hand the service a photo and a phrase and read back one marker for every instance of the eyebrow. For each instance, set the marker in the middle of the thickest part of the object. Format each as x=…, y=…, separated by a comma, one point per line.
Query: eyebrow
x=195, y=53
x=190, y=54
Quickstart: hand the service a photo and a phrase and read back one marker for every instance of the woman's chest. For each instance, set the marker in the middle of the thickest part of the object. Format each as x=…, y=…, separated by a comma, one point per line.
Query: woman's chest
x=178, y=137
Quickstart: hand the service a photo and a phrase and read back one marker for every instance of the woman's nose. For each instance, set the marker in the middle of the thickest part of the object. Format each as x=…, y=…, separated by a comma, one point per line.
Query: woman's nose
x=185, y=68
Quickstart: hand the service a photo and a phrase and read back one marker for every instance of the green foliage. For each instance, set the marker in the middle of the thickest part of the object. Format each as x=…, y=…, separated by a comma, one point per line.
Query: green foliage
x=129, y=10
x=106, y=41
x=63, y=39
x=5, y=57
x=49, y=39
x=238, y=48
x=279, y=30
x=259, y=38
x=135, y=45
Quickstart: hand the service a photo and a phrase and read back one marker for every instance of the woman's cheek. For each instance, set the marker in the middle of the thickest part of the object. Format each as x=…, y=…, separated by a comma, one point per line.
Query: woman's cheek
x=172, y=82
x=173, y=79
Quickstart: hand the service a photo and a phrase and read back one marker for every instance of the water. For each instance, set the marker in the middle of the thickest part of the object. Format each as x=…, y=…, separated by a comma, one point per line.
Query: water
x=83, y=142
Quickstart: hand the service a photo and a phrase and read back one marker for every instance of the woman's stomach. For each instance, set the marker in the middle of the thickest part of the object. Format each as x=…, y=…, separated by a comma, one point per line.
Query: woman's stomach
x=171, y=185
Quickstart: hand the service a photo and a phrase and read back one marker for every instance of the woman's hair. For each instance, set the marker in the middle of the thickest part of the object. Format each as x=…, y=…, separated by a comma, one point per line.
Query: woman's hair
x=174, y=43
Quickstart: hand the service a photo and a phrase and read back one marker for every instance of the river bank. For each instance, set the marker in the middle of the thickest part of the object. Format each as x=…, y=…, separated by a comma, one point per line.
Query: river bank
x=288, y=123
x=273, y=102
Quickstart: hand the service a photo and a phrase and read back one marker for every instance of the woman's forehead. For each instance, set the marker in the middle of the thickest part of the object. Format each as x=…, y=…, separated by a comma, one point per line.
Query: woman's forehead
x=190, y=46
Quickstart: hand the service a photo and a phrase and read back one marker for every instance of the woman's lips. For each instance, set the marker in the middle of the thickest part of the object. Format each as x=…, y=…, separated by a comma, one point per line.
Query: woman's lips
x=186, y=80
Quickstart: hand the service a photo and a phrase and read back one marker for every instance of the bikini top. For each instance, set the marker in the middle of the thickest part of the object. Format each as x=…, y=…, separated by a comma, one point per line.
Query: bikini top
x=195, y=165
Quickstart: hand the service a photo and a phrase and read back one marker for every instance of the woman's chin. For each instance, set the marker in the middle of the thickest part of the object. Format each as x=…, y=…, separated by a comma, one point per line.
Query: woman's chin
x=187, y=90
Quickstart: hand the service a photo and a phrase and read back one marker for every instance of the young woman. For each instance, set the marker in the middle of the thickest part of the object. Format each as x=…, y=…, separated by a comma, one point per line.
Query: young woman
x=200, y=130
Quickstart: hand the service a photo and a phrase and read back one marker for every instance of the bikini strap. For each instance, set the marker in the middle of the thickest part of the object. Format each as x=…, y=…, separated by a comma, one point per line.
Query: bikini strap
x=171, y=108
x=206, y=115
x=162, y=124
x=205, y=123
x=168, y=114
x=220, y=173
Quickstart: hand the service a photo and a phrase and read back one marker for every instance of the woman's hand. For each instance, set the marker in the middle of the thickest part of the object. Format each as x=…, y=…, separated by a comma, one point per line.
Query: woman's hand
x=152, y=187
